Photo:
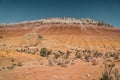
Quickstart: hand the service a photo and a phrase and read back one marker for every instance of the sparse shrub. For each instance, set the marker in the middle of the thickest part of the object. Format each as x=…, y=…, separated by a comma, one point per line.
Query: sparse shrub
x=108, y=73
x=97, y=54
x=14, y=64
x=61, y=63
x=94, y=62
x=40, y=37
x=67, y=55
x=114, y=75
x=67, y=61
x=107, y=55
x=106, y=76
x=11, y=67
x=86, y=51
x=12, y=60
x=1, y=36
x=116, y=56
x=61, y=53
x=19, y=64
x=117, y=75
x=31, y=50
x=78, y=55
x=32, y=39
x=87, y=58
x=3, y=67
x=44, y=52
x=72, y=62
x=0, y=69
x=50, y=62
x=111, y=54
x=56, y=55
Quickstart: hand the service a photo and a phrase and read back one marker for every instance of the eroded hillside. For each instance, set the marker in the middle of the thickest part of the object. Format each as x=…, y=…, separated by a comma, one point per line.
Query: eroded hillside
x=59, y=49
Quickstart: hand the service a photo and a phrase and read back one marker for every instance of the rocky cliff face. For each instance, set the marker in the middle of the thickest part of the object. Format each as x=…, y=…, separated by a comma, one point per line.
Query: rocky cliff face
x=60, y=26
x=60, y=21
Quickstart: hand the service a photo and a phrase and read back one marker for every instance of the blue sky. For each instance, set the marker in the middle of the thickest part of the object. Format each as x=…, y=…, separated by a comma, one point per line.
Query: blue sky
x=22, y=10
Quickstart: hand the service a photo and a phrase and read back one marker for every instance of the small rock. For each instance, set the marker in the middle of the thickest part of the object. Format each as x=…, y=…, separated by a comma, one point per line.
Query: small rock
x=88, y=75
